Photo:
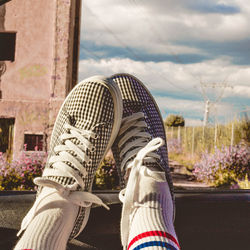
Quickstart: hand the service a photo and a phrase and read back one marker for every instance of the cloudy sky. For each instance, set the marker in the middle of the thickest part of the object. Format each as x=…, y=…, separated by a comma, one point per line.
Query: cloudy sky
x=184, y=51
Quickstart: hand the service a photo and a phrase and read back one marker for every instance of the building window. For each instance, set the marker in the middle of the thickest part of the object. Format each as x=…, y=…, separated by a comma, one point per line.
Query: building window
x=6, y=135
x=33, y=142
x=7, y=45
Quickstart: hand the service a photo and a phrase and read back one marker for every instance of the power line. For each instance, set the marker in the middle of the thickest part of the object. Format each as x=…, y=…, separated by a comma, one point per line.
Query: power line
x=90, y=52
x=130, y=51
x=208, y=102
x=155, y=31
x=113, y=34
x=157, y=34
x=134, y=3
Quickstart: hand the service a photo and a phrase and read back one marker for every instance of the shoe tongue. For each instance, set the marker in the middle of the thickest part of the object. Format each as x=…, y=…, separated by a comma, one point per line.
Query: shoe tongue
x=148, y=161
x=151, y=165
x=156, y=174
x=149, y=175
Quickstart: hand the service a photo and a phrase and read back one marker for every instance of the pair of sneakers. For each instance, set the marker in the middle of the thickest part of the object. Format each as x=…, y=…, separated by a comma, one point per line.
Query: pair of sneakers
x=102, y=113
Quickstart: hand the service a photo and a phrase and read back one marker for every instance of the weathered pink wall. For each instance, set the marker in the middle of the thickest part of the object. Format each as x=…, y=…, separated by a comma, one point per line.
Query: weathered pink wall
x=34, y=85
x=29, y=76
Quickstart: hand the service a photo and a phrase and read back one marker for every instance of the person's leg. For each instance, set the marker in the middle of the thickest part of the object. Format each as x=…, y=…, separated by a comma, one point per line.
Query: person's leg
x=148, y=198
x=85, y=128
x=147, y=216
x=53, y=224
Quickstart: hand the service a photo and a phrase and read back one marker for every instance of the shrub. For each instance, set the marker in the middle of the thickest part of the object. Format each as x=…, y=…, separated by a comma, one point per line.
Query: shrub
x=19, y=174
x=106, y=175
x=174, y=121
x=245, y=130
x=225, y=167
x=242, y=183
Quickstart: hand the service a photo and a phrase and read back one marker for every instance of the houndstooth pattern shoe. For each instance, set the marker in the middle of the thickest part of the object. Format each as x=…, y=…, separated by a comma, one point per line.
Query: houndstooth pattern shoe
x=140, y=140
x=85, y=129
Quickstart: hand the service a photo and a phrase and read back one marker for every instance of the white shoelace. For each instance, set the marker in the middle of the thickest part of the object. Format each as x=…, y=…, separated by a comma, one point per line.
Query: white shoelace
x=144, y=152
x=141, y=138
x=127, y=195
x=60, y=168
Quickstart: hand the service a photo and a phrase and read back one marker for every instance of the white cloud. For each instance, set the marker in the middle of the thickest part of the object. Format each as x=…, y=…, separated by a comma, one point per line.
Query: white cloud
x=239, y=90
x=163, y=75
x=174, y=28
x=222, y=112
x=156, y=25
x=156, y=77
x=180, y=105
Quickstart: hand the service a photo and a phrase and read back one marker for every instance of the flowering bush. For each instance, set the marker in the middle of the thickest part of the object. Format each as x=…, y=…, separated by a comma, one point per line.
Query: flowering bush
x=19, y=173
x=242, y=183
x=225, y=166
x=174, y=146
x=106, y=175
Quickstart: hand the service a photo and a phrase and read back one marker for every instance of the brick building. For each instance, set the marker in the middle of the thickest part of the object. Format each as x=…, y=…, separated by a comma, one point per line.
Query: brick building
x=39, y=45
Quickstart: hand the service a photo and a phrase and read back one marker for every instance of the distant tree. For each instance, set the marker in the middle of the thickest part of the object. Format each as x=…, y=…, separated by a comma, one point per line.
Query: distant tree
x=174, y=121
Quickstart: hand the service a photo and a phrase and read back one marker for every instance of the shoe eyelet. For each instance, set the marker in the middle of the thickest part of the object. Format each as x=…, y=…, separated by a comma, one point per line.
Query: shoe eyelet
x=92, y=149
x=96, y=136
x=62, y=140
x=89, y=162
x=65, y=126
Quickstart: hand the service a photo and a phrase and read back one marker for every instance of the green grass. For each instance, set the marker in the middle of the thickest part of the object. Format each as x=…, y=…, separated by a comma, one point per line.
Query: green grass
x=197, y=140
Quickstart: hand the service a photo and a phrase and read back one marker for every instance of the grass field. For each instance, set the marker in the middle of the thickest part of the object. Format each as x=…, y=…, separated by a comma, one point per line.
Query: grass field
x=221, y=154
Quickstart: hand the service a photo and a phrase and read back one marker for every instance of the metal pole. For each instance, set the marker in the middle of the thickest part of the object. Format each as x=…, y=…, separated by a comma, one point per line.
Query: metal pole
x=232, y=135
x=206, y=113
x=179, y=133
x=215, y=135
x=193, y=143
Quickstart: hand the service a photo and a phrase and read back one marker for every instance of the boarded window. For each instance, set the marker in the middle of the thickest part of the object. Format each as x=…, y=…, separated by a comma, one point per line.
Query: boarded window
x=33, y=142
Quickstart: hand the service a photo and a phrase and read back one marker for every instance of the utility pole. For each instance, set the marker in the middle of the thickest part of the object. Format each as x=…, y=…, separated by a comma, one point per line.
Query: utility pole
x=206, y=113
x=207, y=100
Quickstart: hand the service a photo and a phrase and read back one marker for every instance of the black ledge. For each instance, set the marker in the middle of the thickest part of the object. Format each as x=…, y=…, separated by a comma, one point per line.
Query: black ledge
x=205, y=219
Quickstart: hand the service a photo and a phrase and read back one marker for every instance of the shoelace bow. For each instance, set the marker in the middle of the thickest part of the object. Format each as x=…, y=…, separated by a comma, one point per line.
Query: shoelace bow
x=144, y=152
x=60, y=168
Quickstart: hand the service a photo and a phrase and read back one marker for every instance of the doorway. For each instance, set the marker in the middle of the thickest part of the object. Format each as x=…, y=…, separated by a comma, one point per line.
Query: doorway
x=7, y=136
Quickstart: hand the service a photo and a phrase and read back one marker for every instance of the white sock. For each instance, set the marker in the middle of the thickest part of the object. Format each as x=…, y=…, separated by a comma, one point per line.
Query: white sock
x=151, y=224
x=52, y=225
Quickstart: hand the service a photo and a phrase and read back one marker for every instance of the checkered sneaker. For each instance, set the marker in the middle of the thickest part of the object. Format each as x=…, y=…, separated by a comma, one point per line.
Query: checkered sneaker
x=139, y=144
x=138, y=106
x=85, y=129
